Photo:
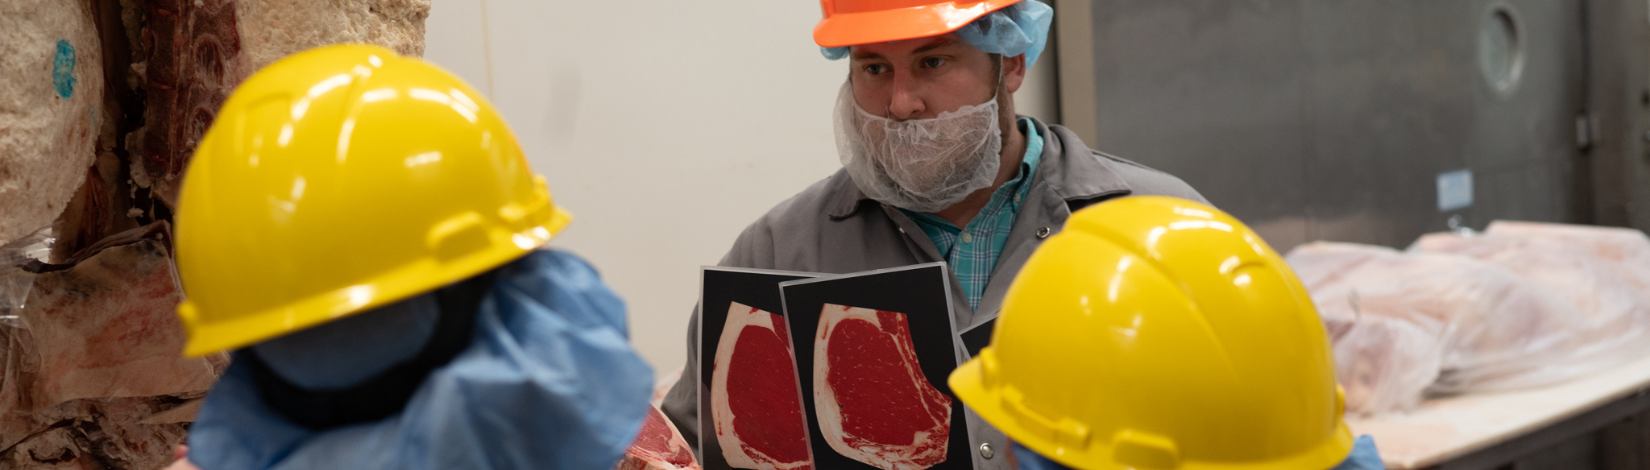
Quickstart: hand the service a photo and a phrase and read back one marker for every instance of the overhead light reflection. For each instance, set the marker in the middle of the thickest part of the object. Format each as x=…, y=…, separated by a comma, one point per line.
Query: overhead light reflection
x=422, y=159
x=1194, y=212
x=329, y=84
x=463, y=99
x=359, y=296
x=1116, y=284
x=380, y=94
x=343, y=139
x=1227, y=266
x=435, y=96
x=1197, y=224
x=298, y=189
x=1152, y=238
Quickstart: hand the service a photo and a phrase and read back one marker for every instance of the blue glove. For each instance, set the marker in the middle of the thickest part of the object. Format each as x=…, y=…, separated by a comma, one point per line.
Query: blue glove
x=549, y=381
x=1363, y=456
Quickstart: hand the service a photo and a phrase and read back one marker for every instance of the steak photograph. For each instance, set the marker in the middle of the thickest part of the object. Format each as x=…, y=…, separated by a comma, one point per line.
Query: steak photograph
x=874, y=404
x=873, y=350
x=755, y=399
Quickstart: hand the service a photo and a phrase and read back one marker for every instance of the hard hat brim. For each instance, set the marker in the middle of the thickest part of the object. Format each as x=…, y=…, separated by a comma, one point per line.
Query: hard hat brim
x=853, y=29
x=968, y=383
x=416, y=278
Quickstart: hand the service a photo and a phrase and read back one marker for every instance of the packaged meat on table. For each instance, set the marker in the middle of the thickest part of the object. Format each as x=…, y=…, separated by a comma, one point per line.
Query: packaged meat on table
x=1408, y=324
x=1611, y=314
x=1625, y=250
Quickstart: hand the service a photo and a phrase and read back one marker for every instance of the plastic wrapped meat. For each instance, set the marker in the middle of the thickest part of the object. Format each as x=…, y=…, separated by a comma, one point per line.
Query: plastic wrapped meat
x=1405, y=324
x=1613, y=315
x=110, y=433
x=1623, y=249
x=1387, y=363
x=51, y=95
x=98, y=346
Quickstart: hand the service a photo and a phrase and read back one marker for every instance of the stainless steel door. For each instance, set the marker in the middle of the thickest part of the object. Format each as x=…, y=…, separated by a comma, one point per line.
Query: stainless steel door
x=1330, y=119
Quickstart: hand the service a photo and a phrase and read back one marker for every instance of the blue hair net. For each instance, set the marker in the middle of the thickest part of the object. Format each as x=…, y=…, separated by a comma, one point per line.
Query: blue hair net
x=1021, y=28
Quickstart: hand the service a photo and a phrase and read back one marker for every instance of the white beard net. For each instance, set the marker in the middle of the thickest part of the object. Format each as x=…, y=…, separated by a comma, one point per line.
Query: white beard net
x=922, y=165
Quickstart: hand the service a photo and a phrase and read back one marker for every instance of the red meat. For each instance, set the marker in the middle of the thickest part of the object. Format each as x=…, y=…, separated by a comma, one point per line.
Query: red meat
x=755, y=400
x=658, y=447
x=874, y=403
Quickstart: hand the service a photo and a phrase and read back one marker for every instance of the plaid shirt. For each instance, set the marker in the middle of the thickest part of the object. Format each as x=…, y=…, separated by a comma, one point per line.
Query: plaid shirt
x=982, y=240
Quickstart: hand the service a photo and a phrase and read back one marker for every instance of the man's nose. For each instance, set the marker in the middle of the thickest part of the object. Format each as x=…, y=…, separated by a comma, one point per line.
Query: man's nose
x=905, y=103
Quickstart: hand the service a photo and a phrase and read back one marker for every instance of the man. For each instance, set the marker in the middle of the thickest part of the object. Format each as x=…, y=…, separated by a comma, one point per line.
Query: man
x=363, y=231
x=1161, y=333
x=936, y=165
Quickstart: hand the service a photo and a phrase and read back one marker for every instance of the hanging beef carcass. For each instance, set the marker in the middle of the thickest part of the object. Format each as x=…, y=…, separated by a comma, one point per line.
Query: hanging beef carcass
x=659, y=446
x=92, y=372
x=99, y=342
x=755, y=400
x=196, y=51
x=107, y=433
x=873, y=402
x=51, y=100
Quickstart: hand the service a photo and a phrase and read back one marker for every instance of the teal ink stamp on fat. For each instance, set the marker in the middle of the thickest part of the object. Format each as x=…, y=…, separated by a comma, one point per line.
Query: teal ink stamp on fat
x=63, y=69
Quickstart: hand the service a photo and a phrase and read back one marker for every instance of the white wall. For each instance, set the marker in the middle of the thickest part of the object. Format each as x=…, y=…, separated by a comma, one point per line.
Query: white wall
x=665, y=127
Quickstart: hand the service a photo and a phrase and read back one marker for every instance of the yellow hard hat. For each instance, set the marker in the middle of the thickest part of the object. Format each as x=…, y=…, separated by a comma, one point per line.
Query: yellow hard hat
x=340, y=179
x=1159, y=333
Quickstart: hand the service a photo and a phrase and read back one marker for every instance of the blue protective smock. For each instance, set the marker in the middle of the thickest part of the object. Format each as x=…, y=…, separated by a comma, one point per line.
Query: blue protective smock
x=549, y=381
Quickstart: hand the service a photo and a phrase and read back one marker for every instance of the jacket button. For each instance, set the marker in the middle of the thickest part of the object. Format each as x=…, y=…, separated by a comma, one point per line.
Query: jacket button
x=985, y=451
x=1042, y=232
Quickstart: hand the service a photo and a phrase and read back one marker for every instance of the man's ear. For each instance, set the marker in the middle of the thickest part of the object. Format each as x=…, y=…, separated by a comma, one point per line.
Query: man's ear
x=1014, y=72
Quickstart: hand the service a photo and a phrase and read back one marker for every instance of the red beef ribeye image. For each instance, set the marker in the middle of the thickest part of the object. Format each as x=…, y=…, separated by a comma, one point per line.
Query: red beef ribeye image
x=874, y=405
x=755, y=399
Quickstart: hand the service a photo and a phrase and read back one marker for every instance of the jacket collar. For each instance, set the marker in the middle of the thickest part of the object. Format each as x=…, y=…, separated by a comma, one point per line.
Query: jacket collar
x=1069, y=168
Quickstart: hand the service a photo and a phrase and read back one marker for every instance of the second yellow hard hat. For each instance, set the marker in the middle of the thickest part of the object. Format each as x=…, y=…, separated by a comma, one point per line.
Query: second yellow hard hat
x=1159, y=333
x=344, y=178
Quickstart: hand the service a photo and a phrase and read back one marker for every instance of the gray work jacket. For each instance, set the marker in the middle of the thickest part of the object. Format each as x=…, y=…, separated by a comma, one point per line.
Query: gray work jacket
x=832, y=227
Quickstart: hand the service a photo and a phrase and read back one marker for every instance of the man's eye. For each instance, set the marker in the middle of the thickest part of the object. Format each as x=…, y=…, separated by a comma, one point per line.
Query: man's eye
x=876, y=69
x=932, y=62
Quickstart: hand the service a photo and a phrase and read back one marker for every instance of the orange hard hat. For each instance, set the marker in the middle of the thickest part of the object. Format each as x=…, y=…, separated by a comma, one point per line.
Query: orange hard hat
x=856, y=22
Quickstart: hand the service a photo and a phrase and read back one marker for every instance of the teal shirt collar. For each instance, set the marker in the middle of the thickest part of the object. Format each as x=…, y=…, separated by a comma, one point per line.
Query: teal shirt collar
x=972, y=251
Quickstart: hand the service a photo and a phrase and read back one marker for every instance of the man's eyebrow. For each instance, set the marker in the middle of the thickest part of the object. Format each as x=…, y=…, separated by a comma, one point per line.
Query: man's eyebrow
x=862, y=55
x=942, y=43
